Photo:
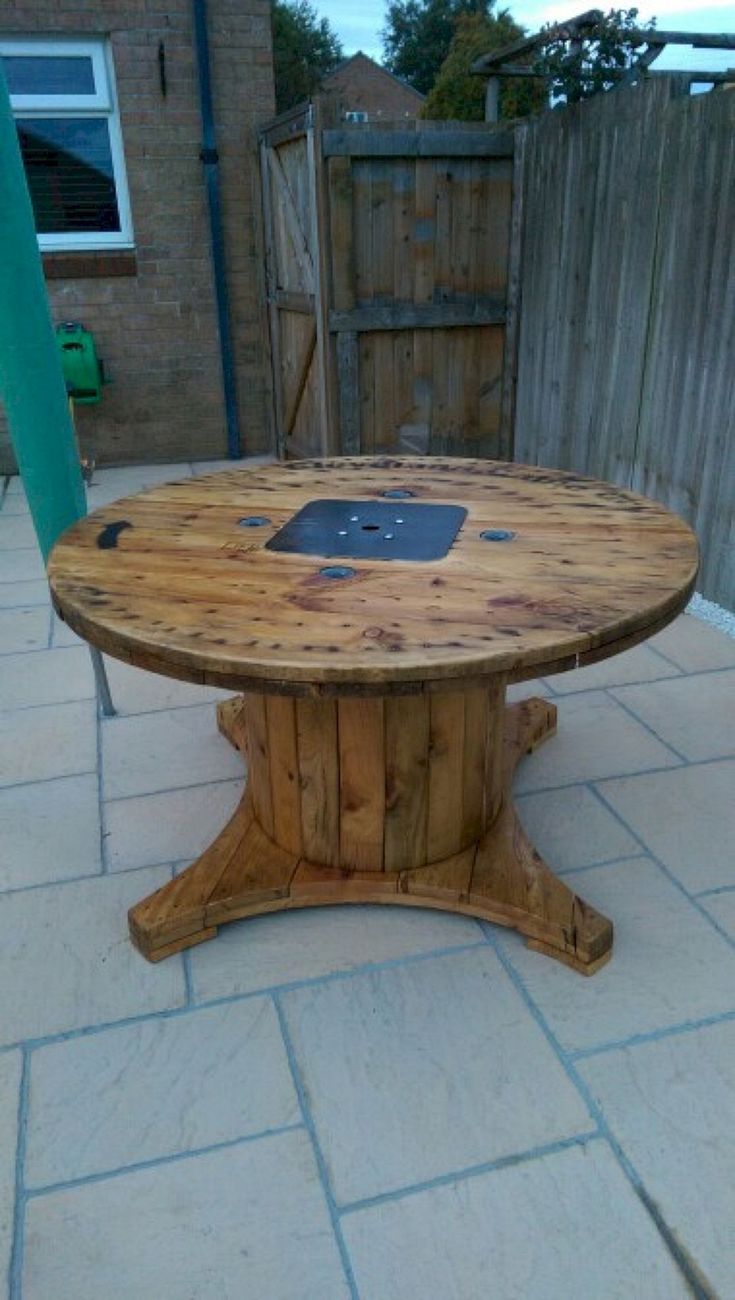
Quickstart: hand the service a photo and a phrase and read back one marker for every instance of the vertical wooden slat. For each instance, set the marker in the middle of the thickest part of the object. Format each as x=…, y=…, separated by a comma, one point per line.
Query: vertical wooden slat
x=259, y=776
x=271, y=281
x=341, y=233
x=446, y=771
x=318, y=237
x=316, y=729
x=348, y=362
x=512, y=299
x=407, y=780
x=284, y=771
x=476, y=723
x=361, y=783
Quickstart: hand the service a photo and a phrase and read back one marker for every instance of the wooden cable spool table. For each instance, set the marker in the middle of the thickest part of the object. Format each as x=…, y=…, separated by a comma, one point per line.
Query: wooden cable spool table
x=370, y=613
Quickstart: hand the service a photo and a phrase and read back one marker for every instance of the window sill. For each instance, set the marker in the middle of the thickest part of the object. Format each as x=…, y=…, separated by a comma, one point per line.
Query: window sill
x=89, y=265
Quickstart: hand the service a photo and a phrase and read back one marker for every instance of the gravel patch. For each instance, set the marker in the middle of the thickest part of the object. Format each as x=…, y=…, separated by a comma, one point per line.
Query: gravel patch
x=711, y=613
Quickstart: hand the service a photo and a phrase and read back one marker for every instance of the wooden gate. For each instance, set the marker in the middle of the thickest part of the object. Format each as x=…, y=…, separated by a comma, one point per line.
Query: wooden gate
x=392, y=278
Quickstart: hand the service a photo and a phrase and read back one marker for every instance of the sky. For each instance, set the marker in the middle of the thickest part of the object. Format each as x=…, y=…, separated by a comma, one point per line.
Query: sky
x=358, y=23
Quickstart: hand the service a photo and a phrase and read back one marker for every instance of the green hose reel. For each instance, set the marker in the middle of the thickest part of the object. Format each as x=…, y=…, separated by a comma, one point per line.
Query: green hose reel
x=82, y=367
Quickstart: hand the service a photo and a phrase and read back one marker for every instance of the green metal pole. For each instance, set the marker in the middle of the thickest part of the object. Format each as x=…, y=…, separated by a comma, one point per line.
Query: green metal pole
x=32, y=385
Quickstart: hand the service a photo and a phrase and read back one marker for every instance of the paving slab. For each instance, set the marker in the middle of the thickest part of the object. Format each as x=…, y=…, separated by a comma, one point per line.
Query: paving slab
x=696, y=715
x=49, y=831
x=14, y=503
x=23, y=629
x=721, y=908
x=671, y=1106
x=595, y=738
x=22, y=565
x=167, y=827
x=669, y=965
x=694, y=646
x=424, y=1070
x=66, y=955
x=137, y=691
x=546, y=1229
x=165, y=751
x=637, y=665
x=15, y=595
x=48, y=677
x=247, y=1221
x=686, y=817
x=16, y=531
x=10, y=1076
x=159, y=1088
x=51, y=741
x=571, y=828
x=287, y=947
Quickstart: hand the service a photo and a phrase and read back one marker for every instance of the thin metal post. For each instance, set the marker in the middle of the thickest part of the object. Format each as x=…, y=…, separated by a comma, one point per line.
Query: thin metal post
x=104, y=695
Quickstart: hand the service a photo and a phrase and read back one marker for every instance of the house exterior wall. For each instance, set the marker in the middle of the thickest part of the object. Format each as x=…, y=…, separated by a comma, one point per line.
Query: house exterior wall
x=153, y=313
x=361, y=84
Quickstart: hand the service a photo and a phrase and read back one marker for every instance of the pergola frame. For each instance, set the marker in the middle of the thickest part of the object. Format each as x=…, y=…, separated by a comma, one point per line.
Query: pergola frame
x=504, y=63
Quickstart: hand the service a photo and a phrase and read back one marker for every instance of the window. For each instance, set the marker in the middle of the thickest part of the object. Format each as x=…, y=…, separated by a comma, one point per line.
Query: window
x=63, y=100
x=356, y=115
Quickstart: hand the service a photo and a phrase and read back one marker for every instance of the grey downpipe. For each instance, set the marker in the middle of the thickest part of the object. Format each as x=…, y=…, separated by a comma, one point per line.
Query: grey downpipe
x=210, y=160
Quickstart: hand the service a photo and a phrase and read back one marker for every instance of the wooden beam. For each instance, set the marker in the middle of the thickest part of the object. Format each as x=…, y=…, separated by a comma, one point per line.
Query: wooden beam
x=700, y=40
x=526, y=44
x=416, y=316
x=301, y=377
x=359, y=143
x=575, y=27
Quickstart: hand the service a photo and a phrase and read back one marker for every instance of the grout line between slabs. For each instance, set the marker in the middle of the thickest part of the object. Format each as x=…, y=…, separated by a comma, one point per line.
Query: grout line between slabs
x=666, y=871
x=16, y=1254
x=87, y=875
x=700, y=1290
x=170, y=1013
x=472, y=1171
x=318, y=1154
x=621, y=776
x=641, y=722
x=652, y=1036
x=174, y=1157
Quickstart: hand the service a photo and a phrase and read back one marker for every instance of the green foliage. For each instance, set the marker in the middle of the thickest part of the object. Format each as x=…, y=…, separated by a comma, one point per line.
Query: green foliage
x=305, y=48
x=418, y=34
x=577, y=65
x=459, y=94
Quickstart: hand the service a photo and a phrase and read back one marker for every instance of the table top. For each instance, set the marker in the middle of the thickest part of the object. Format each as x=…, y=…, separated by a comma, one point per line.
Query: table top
x=180, y=580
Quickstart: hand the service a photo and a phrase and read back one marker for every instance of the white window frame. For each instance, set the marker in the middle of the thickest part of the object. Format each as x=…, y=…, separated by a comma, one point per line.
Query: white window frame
x=103, y=103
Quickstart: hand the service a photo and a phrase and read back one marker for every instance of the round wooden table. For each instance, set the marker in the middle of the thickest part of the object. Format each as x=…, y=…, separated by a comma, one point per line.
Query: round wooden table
x=371, y=613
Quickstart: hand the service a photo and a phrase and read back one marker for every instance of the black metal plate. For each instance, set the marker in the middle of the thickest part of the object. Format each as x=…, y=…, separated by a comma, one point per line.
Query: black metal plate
x=370, y=530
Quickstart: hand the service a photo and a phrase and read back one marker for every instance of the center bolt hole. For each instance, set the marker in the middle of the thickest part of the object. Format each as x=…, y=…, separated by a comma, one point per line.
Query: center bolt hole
x=370, y=528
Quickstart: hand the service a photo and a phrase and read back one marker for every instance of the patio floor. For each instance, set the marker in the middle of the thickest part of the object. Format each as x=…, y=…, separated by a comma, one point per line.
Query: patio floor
x=391, y=1105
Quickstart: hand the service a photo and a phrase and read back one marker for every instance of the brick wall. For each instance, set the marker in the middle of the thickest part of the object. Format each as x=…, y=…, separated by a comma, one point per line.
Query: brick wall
x=156, y=327
x=360, y=83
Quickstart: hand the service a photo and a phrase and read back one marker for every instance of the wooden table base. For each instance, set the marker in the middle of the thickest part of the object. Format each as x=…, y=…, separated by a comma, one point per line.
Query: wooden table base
x=399, y=800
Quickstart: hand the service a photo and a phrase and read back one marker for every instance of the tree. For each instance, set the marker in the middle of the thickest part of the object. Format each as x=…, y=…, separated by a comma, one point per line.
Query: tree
x=305, y=49
x=577, y=64
x=459, y=94
x=418, y=34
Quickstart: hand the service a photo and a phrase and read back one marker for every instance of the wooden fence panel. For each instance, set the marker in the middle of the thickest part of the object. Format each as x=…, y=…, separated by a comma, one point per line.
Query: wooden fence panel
x=686, y=445
x=388, y=289
x=419, y=265
x=625, y=365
